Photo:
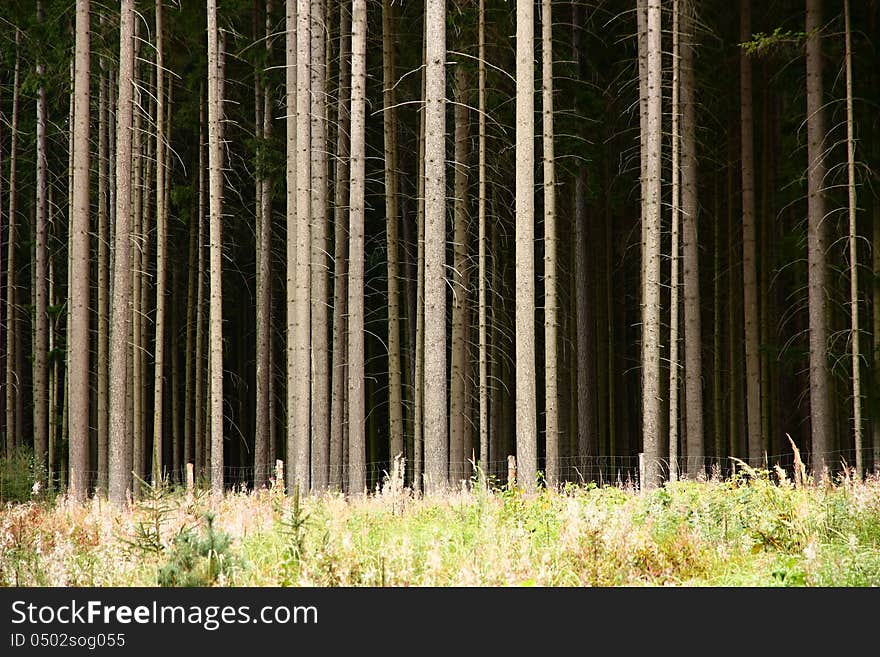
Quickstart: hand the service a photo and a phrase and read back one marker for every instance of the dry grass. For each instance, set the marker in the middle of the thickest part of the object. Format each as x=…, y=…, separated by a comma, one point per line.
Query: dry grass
x=760, y=529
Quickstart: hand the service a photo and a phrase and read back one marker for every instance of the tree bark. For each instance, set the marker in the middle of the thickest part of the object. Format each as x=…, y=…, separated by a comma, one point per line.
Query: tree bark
x=215, y=320
x=526, y=414
x=78, y=339
x=434, y=429
x=320, y=361
x=820, y=403
x=481, y=246
x=159, y=373
x=651, y=330
x=41, y=318
x=389, y=116
x=693, y=341
x=750, y=285
x=356, y=382
x=13, y=384
x=103, y=290
x=458, y=366
x=340, y=256
x=550, y=266
x=853, y=252
x=673, y=275
x=120, y=308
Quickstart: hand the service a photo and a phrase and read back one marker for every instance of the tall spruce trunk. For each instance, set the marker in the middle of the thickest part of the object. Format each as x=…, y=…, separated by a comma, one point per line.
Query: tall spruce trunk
x=820, y=401
x=651, y=388
x=215, y=320
x=459, y=359
x=551, y=303
x=320, y=360
x=675, y=258
x=853, y=252
x=41, y=273
x=13, y=385
x=693, y=342
x=120, y=308
x=389, y=119
x=357, y=480
x=436, y=449
x=339, y=381
x=481, y=247
x=526, y=412
x=159, y=372
x=78, y=339
x=749, y=260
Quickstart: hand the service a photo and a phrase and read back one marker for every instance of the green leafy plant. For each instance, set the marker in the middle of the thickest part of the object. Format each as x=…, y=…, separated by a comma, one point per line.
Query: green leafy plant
x=197, y=559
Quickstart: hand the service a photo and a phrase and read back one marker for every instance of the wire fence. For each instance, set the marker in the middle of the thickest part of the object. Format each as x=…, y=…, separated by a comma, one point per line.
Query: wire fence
x=19, y=480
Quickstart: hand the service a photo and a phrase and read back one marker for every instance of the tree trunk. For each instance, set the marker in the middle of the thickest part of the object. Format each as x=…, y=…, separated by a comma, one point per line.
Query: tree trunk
x=159, y=373
x=120, y=308
x=340, y=255
x=673, y=276
x=215, y=321
x=199, y=423
x=356, y=382
x=299, y=458
x=750, y=285
x=292, y=303
x=41, y=318
x=550, y=283
x=693, y=357
x=320, y=361
x=434, y=338
x=458, y=366
x=820, y=402
x=526, y=414
x=103, y=241
x=13, y=384
x=481, y=247
x=78, y=339
x=263, y=129
x=853, y=253
x=651, y=330
x=389, y=116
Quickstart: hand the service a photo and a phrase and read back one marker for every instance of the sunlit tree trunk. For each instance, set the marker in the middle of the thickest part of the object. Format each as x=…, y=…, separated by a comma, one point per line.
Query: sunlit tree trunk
x=356, y=382
x=41, y=318
x=853, y=252
x=320, y=360
x=389, y=115
x=436, y=449
x=459, y=364
x=215, y=321
x=550, y=265
x=103, y=289
x=339, y=383
x=120, y=308
x=78, y=339
x=651, y=331
x=526, y=414
x=159, y=372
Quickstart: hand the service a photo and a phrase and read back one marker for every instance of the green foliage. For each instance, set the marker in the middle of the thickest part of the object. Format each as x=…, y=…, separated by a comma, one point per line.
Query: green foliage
x=779, y=42
x=197, y=559
x=293, y=529
x=154, y=509
x=17, y=476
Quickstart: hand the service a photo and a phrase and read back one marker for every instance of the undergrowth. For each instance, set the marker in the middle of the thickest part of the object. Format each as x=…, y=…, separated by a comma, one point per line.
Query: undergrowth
x=757, y=529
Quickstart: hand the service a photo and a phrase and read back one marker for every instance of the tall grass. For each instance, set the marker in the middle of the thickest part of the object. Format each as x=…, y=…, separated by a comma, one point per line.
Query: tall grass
x=757, y=529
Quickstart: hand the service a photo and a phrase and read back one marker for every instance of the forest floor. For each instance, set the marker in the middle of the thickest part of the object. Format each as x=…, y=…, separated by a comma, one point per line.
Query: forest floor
x=753, y=531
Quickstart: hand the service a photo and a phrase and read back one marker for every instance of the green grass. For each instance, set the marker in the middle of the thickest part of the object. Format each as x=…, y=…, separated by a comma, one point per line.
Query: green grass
x=753, y=531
